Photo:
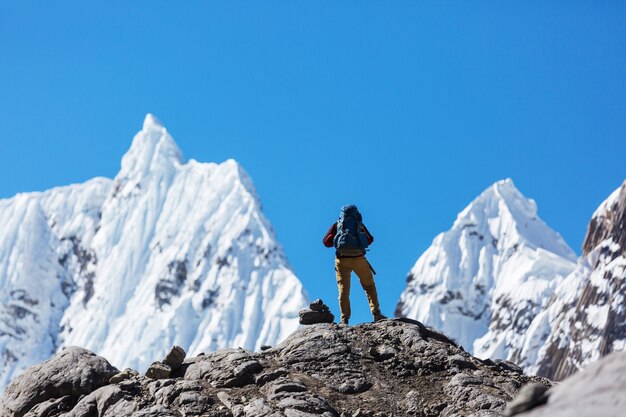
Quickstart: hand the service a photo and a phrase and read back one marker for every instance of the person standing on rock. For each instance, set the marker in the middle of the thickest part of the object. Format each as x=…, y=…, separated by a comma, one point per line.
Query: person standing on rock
x=350, y=238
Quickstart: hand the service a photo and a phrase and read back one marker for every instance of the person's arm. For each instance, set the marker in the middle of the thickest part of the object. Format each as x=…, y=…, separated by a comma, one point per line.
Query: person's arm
x=370, y=238
x=330, y=236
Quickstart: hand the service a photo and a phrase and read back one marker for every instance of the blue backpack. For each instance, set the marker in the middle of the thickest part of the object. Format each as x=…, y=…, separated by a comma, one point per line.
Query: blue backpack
x=350, y=239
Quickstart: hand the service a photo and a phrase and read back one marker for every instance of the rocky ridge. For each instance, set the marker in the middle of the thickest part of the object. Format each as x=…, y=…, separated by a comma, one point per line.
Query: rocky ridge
x=593, y=294
x=390, y=368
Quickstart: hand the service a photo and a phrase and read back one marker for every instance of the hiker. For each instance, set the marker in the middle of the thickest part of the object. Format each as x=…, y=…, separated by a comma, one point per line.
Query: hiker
x=351, y=238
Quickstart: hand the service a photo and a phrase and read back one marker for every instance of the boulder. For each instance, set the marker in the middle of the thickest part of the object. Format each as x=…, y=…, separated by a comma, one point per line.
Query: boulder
x=124, y=375
x=72, y=373
x=318, y=305
x=529, y=397
x=597, y=390
x=318, y=313
x=175, y=357
x=159, y=370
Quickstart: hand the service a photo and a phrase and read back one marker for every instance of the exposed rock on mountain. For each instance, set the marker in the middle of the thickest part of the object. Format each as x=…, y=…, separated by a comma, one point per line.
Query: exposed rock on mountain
x=587, y=316
x=318, y=312
x=598, y=390
x=56, y=383
x=393, y=367
x=484, y=281
x=167, y=253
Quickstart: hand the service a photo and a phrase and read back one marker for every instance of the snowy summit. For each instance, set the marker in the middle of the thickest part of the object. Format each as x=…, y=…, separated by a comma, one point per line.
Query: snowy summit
x=506, y=286
x=484, y=281
x=167, y=253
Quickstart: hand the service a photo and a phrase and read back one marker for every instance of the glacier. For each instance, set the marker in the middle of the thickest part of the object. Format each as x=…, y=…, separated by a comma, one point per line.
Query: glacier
x=485, y=280
x=506, y=286
x=169, y=252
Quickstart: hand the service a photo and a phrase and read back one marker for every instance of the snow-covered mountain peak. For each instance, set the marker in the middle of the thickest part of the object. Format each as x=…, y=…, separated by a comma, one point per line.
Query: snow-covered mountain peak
x=486, y=278
x=151, y=122
x=153, y=150
x=500, y=199
x=510, y=219
x=169, y=252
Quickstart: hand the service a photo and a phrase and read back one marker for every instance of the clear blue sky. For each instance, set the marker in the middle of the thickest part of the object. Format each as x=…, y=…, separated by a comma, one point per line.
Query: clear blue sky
x=407, y=109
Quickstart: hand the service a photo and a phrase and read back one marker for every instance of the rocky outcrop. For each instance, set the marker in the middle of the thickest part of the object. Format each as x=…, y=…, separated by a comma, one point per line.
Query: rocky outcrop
x=608, y=222
x=592, y=295
x=390, y=368
x=172, y=362
x=318, y=312
x=56, y=384
x=596, y=391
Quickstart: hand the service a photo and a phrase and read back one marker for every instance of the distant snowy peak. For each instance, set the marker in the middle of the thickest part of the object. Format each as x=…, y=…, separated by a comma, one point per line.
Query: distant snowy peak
x=169, y=252
x=511, y=218
x=484, y=280
x=152, y=150
x=506, y=286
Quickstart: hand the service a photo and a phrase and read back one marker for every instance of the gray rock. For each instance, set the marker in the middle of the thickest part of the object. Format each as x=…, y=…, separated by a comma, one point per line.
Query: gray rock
x=121, y=376
x=598, y=390
x=318, y=313
x=159, y=370
x=289, y=386
x=509, y=366
x=270, y=376
x=412, y=402
x=464, y=380
x=308, y=317
x=98, y=402
x=257, y=408
x=529, y=397
x=394, y=367
x=318, y=305
x=51, y=407
x=383, y=352
x=353, y=386
x=175, y=357
x=73, y=372
x=226, y=368
x=461, y=362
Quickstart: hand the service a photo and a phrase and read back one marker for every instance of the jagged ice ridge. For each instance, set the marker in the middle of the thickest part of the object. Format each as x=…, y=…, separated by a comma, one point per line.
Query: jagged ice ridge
x=507, y=286
x=168, y=252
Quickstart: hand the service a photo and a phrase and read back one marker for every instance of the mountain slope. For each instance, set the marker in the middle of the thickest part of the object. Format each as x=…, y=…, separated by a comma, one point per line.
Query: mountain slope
x=485, y=280
x=587, y=317
x=169, y=252
x=383, y=369
x=40, y=232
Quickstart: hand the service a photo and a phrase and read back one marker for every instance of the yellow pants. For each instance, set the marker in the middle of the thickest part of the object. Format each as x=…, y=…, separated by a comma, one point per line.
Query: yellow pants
x=343, y=269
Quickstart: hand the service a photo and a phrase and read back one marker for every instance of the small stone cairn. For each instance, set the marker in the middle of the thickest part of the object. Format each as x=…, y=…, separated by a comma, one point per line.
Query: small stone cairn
x=318, y=313
x=172, y=362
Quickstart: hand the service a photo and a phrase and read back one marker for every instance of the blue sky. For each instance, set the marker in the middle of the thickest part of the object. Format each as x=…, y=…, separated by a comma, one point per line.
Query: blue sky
x=407, y=109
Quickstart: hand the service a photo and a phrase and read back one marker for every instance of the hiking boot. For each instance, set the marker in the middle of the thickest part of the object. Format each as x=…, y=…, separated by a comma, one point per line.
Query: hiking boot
x=379, y=317
x=344, y=322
